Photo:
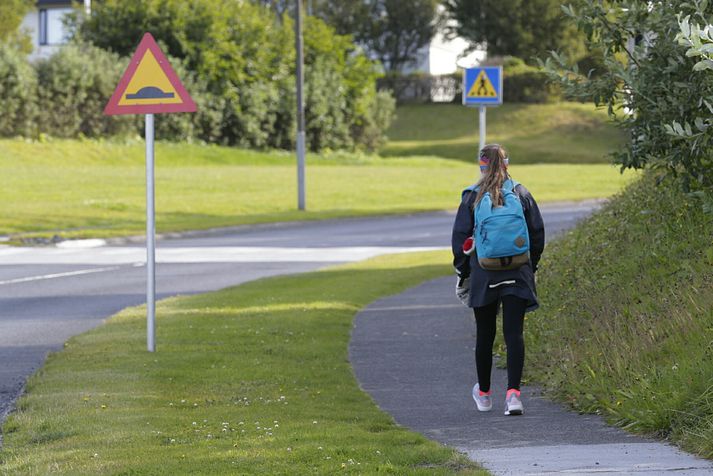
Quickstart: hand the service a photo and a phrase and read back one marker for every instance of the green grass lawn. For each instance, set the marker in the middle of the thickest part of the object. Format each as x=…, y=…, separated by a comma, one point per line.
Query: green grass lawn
x=532, y=133
x=81, y=189
x=249, y=380
x=626, y=324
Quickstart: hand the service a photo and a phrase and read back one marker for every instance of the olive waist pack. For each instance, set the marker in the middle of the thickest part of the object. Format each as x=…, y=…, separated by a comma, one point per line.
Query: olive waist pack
x=500, y=233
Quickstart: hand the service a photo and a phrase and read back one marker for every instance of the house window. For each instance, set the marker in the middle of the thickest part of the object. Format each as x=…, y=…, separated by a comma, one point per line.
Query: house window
x=52, y=29
x=43, y=26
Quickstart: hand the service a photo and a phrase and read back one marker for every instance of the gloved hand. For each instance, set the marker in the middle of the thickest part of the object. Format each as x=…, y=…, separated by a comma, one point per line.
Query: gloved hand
x=463, y=290
x=468, y=246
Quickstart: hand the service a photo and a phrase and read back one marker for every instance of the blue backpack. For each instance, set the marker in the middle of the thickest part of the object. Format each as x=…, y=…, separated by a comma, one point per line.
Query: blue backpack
x=500, y=233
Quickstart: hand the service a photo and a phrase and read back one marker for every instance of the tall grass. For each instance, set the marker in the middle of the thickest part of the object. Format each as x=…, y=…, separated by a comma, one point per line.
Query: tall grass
x=626, y=326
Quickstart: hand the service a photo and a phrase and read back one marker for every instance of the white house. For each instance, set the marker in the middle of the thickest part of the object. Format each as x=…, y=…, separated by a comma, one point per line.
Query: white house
x=439, y=59
x=45, y=24
x=444, y=56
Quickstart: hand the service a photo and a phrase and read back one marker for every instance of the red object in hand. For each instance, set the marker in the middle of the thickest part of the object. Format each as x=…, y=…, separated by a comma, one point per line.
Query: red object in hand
x=468, y=246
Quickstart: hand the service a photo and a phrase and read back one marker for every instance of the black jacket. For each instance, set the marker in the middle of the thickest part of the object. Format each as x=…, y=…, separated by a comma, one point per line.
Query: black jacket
x=488, y=286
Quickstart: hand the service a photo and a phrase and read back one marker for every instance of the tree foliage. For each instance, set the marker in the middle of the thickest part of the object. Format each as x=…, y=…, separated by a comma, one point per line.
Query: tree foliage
x=73, y=87
x=522, y=28
x=18, y=92
x=647, y=84
x=391, y=30
x=11, y=14
x=244, y=60
x=523, y=83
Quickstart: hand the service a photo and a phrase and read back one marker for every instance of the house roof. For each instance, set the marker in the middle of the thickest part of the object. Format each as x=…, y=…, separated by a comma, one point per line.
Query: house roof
x=55, y=3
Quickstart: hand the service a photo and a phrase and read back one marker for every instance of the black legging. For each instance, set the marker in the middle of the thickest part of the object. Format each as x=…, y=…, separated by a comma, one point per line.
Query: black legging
x=513, y=318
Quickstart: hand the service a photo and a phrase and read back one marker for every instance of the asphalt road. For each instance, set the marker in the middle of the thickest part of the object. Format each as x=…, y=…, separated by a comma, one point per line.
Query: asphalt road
x=49, y=294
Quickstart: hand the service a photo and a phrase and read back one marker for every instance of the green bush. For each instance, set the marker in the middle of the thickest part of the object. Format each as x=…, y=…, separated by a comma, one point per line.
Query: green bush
x=243, y=64
x=525, y=83
x=326, y=123
x=411, y=88
x=369, y=129
x=18, y=93
x=331, y=87
x=649, y=86
x=204, y=124
x=240, y=74
x=74, y=86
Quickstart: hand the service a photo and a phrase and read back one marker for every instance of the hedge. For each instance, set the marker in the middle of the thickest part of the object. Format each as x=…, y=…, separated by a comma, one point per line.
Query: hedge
x=237, y=62
x=527, y=84
x=18, y=93
x=521, y=84
x=243, y=58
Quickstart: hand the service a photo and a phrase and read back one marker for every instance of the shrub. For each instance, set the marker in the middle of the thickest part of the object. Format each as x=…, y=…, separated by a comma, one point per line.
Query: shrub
x=204, y=124
x=408, y=88
x=525, y=83
x=521, y=83
x=18, y=93
x=243, y=64
x=648, y=84
x=368, y=130
x=73, y=87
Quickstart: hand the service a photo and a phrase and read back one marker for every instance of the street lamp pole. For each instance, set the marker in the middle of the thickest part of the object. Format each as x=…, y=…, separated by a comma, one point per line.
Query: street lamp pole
x=300, y=110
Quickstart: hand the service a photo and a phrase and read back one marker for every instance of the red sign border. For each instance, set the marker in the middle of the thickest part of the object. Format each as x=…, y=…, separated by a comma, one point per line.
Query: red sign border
x=148, y=43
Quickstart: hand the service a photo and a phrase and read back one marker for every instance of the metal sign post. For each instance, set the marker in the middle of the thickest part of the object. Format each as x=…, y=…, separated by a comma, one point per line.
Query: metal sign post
x=150, y=238
x=301, y=146
x=481, y=123
x=483, y=87
x=149, y=86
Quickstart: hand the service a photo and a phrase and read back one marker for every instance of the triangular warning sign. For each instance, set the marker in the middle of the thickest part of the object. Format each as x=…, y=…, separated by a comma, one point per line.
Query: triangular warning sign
x=149, y=85
x=482, y=87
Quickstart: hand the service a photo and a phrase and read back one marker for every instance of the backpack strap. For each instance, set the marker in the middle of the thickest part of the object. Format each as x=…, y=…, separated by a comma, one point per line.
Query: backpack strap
x=472, y=188
x=510, y=184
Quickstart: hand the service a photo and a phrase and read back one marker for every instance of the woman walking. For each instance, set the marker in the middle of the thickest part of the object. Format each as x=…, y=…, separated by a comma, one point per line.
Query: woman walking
x=507, y=281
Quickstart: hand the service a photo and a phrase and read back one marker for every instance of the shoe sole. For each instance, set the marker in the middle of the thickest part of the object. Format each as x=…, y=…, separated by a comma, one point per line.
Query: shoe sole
x=513, y=412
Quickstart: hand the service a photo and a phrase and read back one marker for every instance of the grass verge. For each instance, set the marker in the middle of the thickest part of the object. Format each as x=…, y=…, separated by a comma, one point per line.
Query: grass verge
x=532, y=133
x=95, y=190
x=249, y=380
x=626, y=326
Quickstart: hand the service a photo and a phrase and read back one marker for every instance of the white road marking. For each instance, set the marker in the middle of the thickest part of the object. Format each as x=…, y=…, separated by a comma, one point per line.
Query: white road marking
x=223, y=254
x=59, y=275
x=74, y=244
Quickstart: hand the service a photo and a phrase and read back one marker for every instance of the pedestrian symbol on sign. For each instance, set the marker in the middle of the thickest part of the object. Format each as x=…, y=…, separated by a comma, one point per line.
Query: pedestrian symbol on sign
x=482, y=87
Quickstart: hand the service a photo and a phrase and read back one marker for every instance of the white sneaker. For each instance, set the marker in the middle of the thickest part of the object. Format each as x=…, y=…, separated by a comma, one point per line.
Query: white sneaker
x=513, y=404
x=483, y=402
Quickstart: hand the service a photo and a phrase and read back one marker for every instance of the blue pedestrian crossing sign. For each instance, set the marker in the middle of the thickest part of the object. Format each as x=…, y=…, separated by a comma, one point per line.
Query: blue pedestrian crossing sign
x=483, y=86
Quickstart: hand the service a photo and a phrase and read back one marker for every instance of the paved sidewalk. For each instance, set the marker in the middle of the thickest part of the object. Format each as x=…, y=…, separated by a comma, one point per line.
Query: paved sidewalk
x=413, y=353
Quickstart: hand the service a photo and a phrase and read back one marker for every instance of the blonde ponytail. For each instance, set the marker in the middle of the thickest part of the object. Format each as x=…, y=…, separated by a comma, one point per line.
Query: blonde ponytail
x=494, y=174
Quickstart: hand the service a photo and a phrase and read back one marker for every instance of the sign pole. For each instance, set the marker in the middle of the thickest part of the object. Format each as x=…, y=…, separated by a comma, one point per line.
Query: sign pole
x=481, y=123
x=149, y=86
x=300, y=110
x=482, y=87
x=150, y=238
